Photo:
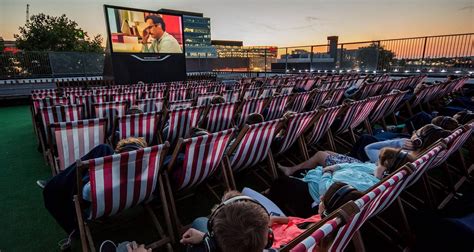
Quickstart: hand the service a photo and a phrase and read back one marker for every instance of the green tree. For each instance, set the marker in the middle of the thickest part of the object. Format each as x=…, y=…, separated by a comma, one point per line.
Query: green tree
x=2, y=44
x=374, y=56
x=49, y=33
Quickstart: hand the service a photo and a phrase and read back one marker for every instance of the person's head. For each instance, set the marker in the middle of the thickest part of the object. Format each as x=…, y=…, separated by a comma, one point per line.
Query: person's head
x=196, y=131
x=217, y=99
x=239, y=223
x=155, y=26
x=288, y=113
x=426, y=136
x=391, y=159
x=254, y=118
x=130, y=144
x=464, y=116
x=134, y=110
x=445, y=122
x=337, y=195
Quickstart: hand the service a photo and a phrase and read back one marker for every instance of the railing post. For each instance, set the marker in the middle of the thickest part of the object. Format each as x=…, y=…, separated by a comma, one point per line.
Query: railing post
x=341, y=57
x=377, y=56
x=311, y=59
x=286, y=60
x=423, y=54
x=265, y=61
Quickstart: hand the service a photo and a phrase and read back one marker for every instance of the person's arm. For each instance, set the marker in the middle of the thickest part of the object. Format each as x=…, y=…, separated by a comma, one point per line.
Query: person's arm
x=279, y=220
x=192, y=237
x=372, y=150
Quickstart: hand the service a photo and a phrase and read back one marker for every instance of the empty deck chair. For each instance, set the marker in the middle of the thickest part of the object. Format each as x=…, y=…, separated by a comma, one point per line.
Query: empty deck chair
x=119, y=182
x=180, y=104
x=73, y=140
x=137, y=125
x=298, y=101
x=181, y=121
x=151, y=104
x=276, y=107
x=321, y=126
x=335, y=97
x=130, y=98
x=177, y=94
x=286, y=90
x=251, y=106
x=231, y=95
x=109, y=110
x=220, y=116
x=252, y=146
x=154, y=94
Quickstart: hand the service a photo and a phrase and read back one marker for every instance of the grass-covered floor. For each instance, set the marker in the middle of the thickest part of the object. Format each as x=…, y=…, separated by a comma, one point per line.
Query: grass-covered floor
x=25, y=225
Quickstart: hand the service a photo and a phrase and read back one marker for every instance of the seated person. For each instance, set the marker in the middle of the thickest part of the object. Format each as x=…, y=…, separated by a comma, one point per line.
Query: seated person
x=218, y=99
x=445, y=122
x=58, y=192
x=464, y=117
x=317, y=180
x=282, y=133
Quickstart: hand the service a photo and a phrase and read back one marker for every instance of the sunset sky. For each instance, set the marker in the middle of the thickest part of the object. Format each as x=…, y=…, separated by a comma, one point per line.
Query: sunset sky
x=274, y=22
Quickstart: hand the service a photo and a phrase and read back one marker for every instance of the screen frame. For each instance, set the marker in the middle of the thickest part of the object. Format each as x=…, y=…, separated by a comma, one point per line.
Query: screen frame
x=109, y=34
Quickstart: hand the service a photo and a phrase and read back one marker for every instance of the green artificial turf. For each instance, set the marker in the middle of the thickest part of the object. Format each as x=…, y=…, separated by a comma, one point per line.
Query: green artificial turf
x=25, y=224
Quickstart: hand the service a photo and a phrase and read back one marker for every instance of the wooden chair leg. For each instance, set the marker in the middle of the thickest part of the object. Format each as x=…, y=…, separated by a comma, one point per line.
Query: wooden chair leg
x=80, y=223
x=89, y=237
x=174, y=213
x=166, y=209
x=303, y=148
x=230, y=174
x=331, y=141
x=272, y=166
x=358, y=242
x=163, y=237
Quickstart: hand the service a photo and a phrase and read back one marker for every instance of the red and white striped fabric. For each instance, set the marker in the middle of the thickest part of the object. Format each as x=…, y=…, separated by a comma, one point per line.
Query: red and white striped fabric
x=75, y=139
x=202, y=157
x=100, y=99
x=251, y=93
x=254, y=146
x=231, y=95
x=151, y=105
x=123, y=180
x=425, y=162
x=319, y=97
x=276, y=107
x=353, y=113
x=58, y=114
x=181, y=120
x=299, y=101
x=177, y=94
x=106, y=92
x=365, y=111
x=322, y=125
x=139, y=125
x=310, y=242
x=48, y=102
x=130, y=98
x=106, y=109
x=369, y=205
x=296, y=126
x=286, y=90
x=335, y=97
x=205, y=98
x=420, y=96
x=268, y=92
x=220, y=116
x=181, y=104
x=153, y=94
x=42, y=93
x=381, y=107
x=193, y=92
x=454, y=142
x=396, y=103
x=251, y=106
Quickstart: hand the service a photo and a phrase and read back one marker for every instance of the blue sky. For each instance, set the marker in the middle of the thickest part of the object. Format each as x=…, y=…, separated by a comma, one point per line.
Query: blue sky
x=275, y=22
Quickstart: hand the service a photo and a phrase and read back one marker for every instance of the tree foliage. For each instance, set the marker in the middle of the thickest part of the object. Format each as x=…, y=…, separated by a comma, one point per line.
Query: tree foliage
x=49, y=33
x=374, y=56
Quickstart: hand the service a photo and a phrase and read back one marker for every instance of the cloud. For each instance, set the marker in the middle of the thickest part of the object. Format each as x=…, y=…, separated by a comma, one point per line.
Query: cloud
x=312, y=18
x=468, y=8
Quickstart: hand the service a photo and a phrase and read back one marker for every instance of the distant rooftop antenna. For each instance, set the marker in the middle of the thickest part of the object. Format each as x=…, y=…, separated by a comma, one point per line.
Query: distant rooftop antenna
x=27, y=12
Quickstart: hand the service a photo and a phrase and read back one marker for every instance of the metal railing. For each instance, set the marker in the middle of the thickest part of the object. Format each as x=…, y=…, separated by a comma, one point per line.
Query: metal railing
x=446, y=54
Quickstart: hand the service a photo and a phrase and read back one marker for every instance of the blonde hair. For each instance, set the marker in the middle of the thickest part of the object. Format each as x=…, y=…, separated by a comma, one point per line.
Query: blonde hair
x=134, y=142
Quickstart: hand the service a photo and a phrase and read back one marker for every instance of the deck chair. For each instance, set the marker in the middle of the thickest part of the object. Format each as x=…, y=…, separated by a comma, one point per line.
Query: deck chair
x=108, y=92
x=177, y=94
x=318, y=97
x=153, y=94
x=335, y=97
x=321, y=126
x=119, y=182
x=130, y=98
x=109, y=110
x=137, y=125
x=298, y=101
x=250, y=106
x=205, y=98
x=252, y=146
x=286, y=90
x=380, y=110
x=251, y=93
x=151, y=104
x=220, y=116
x=73, y=140
x=231, y=95
x=276, y=107
x=296, y=125
x=268, y=92
x=181, y=121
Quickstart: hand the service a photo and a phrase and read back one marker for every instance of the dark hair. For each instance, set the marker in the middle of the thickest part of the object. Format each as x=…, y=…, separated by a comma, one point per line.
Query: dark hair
x=394, y=158
x=240, y=226
x=254, y=118
x=429, y=134
x=335, y=204
x=157, y=20
x=464, y=116
x=445, y=122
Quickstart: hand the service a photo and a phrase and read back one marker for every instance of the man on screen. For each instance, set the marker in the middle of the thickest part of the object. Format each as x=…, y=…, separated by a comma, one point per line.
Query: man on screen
x=163, y=42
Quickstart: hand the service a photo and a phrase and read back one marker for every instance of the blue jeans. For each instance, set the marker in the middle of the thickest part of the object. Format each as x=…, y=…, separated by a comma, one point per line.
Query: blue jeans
x=201, y=225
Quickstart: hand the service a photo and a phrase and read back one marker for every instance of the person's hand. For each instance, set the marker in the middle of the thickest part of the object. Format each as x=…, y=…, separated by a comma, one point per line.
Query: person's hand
x=146, y=35
x=133, y=247
x=330, y=168
x=192, y=236
x=408, y=145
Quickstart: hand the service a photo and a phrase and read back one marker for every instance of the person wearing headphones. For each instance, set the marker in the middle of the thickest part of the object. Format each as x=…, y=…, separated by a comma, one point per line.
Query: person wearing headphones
x=239, y=223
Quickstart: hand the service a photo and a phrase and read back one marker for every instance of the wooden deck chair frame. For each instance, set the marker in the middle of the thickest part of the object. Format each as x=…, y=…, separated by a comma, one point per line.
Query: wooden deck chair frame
x=85, y=233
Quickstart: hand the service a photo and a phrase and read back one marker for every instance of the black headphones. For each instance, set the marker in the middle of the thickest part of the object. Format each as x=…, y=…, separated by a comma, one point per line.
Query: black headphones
x=338, y=196
x=399, y=159
x=418, y=141
x=209, y=240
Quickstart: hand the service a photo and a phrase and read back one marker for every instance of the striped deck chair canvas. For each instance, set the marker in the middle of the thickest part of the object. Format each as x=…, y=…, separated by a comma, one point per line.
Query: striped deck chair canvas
x=205, y=98
x=254, y=146
x=310, y=243
x=202, y=157
x=251, y=106
x=232, y=95
x=319, y=96
x=138, y=125
x=276, y=107
x=151, y=104
x=100, y=99
x=180, y=104
x=381, y=107
x=352, y=113
x=109, y=110
x=299, y=101
x=153, y=94
x=177, y=94
x=268, y=92
x=322, y=124
x=286, y=90
x=181, y=121
x=396, y=103
x=335, y=97
x=296, y=126
x=123, y=180
x=75, y=139
x=365, y=111
x=58, y=114
x=369, y=205
x=130, y=98
x=220, y=116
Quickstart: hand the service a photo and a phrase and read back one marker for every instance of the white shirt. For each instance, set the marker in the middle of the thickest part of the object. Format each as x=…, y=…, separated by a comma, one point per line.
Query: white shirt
x=166, y=44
